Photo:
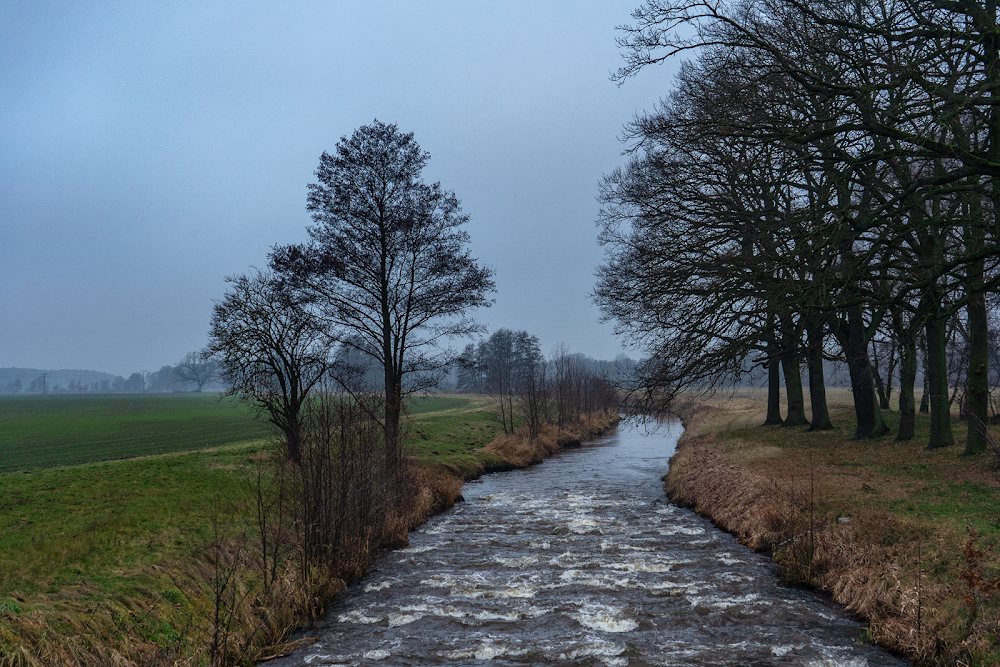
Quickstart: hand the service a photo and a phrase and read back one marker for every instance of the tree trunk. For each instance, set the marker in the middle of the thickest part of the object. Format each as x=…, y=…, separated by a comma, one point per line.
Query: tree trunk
x=925, y=405
x=853, y=340
x=883, y=398
x=817, y=383
x=773, y=387
x=796, y=415
x=907, y=377
x=393, y=410
x=937, y=382
x=978, y=396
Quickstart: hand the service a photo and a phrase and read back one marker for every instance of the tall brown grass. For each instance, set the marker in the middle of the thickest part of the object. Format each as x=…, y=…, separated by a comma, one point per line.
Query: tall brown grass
x=901, y=574
x=520, y=449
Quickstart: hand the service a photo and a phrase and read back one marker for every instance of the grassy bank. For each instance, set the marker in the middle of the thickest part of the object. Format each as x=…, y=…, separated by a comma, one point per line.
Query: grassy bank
x=112, y=562
x=906, y=538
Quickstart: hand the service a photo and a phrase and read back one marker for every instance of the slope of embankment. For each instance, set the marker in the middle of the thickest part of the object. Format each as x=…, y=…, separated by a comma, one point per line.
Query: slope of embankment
x=160, y=560
x=904, y=537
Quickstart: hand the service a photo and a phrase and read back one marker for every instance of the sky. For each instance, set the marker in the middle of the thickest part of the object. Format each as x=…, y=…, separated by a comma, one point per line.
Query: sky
x=148, y=150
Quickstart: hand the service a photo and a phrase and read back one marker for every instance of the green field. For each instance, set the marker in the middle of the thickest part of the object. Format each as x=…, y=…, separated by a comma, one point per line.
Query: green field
x=104, y=536
x=55, y=430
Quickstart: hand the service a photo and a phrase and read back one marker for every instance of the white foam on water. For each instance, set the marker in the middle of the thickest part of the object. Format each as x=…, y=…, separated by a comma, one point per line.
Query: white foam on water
x=396, y=620
x=377, y=654
x=837, y=662
x=666, y=509
x=435, y=608
x=686, y=586
x=488, y=650
x=517, y=563
x=624, y=546
x=582, y=526
x=643, y=566
x=682, y=530
x=717, y=602
x=358, y=616
x=309, y=659
x=497, y=616
x=468, y=586
x=381, y=585
x=727, y=559
x=781, y=651
x=581, y=578
x=512, y=592
x=604, y=617
x=418, y=550
x=598, y=648
x=438, y=528
x=545, y=544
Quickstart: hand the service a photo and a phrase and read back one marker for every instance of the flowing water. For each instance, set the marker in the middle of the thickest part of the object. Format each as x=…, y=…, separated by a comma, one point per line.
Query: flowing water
x=580, y=561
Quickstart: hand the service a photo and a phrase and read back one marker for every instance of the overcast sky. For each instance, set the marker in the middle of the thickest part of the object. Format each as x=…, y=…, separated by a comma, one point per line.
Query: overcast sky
x=147, y=150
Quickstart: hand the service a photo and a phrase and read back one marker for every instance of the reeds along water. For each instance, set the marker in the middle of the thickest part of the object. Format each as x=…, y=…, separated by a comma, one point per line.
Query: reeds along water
x=580, y=561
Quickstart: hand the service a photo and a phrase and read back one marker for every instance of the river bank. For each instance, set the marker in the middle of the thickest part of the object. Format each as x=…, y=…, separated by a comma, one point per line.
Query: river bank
x=123, y=562
x=904, y=537
x=580, y=562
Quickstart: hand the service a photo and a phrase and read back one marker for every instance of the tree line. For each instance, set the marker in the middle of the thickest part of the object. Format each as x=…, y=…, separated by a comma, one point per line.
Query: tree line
x=524, y=388
x=191, y=373
x=821, y=178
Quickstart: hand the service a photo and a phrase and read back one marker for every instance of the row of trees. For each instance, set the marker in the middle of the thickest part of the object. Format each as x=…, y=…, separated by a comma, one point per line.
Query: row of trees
x=822, y=171
x=525, y=388
x=191, y=373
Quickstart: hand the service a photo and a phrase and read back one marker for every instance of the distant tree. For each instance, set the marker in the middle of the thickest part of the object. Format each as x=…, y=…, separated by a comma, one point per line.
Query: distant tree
x=508, y=361
x=470, y=379
x=272, y=351
x=37, y=385
x=386, y=267
x=198, y=368
x=135, y=383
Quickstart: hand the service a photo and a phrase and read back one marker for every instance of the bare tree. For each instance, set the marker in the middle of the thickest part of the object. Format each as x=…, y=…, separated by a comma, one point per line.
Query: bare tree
x=197, y=367
x=387, y=267
x=507, y=361
x=272, y=350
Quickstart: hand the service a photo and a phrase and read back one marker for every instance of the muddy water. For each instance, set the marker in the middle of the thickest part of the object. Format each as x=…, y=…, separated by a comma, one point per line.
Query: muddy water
x=579, y=561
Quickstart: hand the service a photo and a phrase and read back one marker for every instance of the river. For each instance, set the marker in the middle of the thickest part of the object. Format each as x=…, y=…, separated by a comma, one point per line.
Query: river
x=581, y=561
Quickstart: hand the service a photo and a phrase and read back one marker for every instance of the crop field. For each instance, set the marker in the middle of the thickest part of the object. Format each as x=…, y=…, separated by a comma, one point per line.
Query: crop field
x=57, y=430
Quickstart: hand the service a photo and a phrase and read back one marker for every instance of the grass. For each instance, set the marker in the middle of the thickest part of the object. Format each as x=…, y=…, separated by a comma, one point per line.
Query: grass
x=102, y=554
x=110, y=548
x=107, y=561
x=454, y=437
x=57, y=430
x=907, y=510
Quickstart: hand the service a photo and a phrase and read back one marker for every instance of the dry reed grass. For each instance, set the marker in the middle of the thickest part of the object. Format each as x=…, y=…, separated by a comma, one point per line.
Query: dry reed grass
x=851, y=519
x=519, y=450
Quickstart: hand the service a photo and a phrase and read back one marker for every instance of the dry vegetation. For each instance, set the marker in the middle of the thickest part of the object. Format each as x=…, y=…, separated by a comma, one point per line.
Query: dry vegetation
x=211, y=591
x=904, y=537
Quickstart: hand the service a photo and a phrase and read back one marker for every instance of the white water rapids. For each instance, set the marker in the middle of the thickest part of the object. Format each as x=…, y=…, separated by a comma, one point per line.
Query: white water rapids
x=581, y=561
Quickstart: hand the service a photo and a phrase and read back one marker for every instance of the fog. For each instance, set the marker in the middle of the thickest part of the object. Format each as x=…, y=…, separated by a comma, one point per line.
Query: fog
x=151, y=149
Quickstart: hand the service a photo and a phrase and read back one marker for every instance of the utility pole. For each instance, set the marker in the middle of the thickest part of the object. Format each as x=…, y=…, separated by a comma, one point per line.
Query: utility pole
x=143, y=381
x=44, y=388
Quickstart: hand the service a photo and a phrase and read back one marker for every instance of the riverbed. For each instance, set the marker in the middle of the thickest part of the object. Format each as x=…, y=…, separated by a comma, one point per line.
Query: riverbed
x=581, y=561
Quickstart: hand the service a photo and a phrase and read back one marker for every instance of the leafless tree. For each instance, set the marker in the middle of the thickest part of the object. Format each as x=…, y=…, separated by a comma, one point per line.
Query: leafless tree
x=198, y=368
x=387, y=267
x=271, y=348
